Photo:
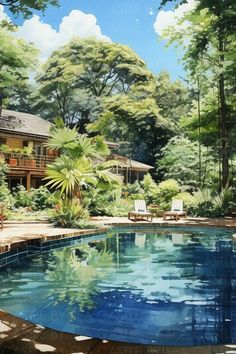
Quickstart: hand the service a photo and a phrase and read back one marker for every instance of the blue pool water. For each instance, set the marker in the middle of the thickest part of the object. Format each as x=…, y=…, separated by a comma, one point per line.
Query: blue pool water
x=168, y=287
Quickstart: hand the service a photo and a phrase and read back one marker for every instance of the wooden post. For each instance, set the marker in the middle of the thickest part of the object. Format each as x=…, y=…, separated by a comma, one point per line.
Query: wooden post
x=28, y=181
x=127, y=176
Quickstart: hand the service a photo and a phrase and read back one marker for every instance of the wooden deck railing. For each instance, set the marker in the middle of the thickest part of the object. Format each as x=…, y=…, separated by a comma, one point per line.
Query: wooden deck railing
x=19, y=161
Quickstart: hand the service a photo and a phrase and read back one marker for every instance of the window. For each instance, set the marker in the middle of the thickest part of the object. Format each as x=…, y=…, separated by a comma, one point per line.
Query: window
x=2, y=141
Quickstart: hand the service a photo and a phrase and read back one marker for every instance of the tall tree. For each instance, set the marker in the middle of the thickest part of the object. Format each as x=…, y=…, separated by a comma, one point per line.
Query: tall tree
x=75, y=78
x=180, y=162
x=210, y=56
x=174, y=98
x=16, y=59
x=26, y=7
x=105, y=87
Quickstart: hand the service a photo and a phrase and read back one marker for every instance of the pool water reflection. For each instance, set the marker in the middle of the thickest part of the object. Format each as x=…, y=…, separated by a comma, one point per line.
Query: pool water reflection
x=168, y=287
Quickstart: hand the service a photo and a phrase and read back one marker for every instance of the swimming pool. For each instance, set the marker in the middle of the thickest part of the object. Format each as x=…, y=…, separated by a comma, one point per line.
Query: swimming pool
x=168, y=287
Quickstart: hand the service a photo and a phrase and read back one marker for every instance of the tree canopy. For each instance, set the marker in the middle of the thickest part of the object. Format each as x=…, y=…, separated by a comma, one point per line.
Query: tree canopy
x=26, y=7
x=209, y=43
x=105, y=87
x=87, y=69
x=16, y=59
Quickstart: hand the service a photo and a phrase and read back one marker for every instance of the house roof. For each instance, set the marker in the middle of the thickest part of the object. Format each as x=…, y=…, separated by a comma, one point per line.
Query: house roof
x=24, y=123
x=30, y=124
x=134, y=165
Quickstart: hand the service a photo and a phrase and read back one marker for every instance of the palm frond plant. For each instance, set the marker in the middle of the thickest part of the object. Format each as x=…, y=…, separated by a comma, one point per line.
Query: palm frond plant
x=223, y=201
x=69, y=213
x=63, y=139
x=80, y=167
x=70, y=175
x=202, y=204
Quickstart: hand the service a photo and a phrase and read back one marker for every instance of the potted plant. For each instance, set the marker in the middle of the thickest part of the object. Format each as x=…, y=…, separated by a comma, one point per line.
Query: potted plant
x=12, y=161
x=30, y=161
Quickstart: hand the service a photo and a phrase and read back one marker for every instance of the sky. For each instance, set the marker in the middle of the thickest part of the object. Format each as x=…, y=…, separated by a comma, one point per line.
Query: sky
x=136, y=23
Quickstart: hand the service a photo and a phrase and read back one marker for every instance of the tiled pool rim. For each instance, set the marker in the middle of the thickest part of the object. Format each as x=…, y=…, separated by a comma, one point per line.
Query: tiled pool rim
x=99, y=346
x=15, y=251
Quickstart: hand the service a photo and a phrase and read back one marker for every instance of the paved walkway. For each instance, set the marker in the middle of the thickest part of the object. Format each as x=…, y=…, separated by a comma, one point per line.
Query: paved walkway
x=189, y=221
x=15, y=232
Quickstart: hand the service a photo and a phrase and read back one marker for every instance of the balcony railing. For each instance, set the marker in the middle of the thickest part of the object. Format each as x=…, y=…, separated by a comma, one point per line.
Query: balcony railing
x=20, y=161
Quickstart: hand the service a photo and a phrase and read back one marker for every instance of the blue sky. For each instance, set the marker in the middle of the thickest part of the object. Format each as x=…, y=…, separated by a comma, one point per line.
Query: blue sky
x=129, y=22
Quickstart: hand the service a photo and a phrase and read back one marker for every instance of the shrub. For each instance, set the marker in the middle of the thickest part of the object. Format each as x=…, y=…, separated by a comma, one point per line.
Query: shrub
x=165, y=192
x=69, y=213
x=42, y=198
x=6, y=197
x=150, y=188
x=223, y=201
x=180, y=161
x=119, y=207
x=202, y=203
x=22, y=197
x=5, y=194
x=134, y=188
x=187, y=199
x=207, y=204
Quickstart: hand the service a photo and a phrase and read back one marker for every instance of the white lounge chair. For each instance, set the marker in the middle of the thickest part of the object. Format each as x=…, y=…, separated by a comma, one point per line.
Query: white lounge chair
x=176, y=211
x=140, y=211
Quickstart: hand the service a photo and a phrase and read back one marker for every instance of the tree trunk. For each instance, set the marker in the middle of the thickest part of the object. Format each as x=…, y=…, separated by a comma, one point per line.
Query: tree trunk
x=224, y=130
x=1, y=101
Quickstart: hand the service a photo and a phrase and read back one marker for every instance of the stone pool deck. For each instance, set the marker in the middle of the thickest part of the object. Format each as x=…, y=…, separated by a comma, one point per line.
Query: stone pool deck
x=22, y=337
x=15, y=232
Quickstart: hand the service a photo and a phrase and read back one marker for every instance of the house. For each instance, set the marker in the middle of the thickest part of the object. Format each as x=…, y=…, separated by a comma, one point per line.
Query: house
x=22, y=143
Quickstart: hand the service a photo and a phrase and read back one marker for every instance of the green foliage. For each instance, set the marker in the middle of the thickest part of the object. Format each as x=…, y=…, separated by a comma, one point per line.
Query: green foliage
x=35, y=199
x=105, y=87
x=205, y=203
x=78, y=75
x=42, y=198
x=223, y=201
x=180, y=161
x=69, y=213
x=5, y=194
x=16, y=59
x=3, y=170
x=208, y=38
x=119, y=207
x=27, y=214
x=149, y=187
x=187, y=198
x=27, y=7
x=132, y=189
x=107, y=202
x=74, y=170
x=173, y=98
x=22, y=197
x=166, y=190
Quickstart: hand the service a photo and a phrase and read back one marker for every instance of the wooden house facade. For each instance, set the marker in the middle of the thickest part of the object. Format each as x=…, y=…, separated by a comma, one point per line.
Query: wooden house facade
x=23, y=138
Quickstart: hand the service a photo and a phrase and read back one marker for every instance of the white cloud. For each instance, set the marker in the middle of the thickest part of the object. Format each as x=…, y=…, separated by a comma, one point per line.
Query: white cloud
x=3, y=15
x=47, y=39
x=168, y=18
